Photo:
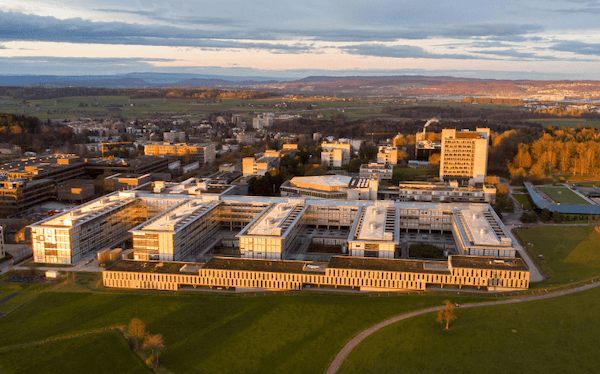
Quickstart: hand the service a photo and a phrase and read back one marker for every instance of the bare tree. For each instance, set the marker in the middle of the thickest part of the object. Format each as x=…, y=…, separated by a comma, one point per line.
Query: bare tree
x=155, y=343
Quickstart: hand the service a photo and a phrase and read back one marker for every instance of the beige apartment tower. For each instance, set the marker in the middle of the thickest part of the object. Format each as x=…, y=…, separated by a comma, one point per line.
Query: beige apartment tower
x=464, y=155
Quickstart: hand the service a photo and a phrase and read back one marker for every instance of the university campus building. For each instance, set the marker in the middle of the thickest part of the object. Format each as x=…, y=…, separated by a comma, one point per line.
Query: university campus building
x=464, y=155
x=203, y=153
x=168, y=223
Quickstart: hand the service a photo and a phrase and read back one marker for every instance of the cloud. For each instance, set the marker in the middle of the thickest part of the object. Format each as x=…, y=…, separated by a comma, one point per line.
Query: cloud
x=19, y=26
x=498, y=30
x=399, y=51
x=162, y=15
x=589, y=49
x=75, y=65
x=516, y=54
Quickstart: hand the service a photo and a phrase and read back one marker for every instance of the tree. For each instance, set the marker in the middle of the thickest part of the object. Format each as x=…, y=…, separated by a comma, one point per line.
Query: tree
x=434, y=158
x=446, y=315
x=155, y=343
x=136, y=331
x=545, y=215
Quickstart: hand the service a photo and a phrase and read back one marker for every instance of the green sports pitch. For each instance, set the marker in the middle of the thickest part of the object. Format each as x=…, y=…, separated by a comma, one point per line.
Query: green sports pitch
x=563, y=195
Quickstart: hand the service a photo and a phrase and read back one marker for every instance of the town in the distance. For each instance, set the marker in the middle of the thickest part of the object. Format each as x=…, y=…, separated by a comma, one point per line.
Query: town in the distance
x=237, y=192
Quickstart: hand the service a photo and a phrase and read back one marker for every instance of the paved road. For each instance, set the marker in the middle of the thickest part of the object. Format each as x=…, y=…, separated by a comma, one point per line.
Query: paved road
x=339, y=358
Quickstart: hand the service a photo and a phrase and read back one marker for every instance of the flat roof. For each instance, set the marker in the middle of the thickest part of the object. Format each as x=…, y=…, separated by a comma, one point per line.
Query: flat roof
x=373, y=224
x=149, y=266
x=367, y=263
x=491, y=263
x=271, y=223
x=88, y=211
x=267, y=159
x=324, y=180
x=176, y=218
x=274, y=266
x=477, y=226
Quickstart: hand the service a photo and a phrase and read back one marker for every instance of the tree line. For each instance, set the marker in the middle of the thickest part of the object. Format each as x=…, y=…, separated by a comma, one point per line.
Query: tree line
x=41, y=93
x=563, y=151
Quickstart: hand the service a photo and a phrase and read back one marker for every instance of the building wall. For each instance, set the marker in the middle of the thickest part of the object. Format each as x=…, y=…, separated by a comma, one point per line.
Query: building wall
x=18, y=196
x=70, y=192
x=204, y=153
x=387, y=155
x=66, y=245
x=176, y=245
x=464, y=155
x=361, y=279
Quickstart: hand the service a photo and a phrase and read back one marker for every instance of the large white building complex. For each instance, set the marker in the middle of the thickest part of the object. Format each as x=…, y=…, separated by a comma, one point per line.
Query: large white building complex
x=167, y=223
x=464, y=155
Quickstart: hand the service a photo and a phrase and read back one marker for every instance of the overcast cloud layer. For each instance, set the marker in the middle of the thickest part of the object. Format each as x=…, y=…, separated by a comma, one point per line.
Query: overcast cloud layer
x=549, y=39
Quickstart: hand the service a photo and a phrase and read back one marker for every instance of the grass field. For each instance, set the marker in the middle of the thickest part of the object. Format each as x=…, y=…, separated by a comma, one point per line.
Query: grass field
x=557, y=122
x=105, y=352
x=547, y=336
x=523, y=200
x=563, y=195
x=215, y=333
x=109, y=106
x=570, y=253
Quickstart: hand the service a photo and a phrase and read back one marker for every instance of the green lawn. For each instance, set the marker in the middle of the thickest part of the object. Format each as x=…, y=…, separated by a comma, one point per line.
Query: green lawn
x=570, y=253
x=563, y=195
x=547, y=336
x=523, y=200
x=25, y=293
x=215, y=333
x=106, y=352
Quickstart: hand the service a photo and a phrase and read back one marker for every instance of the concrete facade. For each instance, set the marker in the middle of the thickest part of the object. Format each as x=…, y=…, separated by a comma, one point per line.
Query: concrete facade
x=464, y=155
x=203, y=153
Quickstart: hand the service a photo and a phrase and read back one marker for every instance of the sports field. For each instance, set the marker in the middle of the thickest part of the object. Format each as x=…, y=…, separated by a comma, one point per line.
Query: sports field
x=563, y=195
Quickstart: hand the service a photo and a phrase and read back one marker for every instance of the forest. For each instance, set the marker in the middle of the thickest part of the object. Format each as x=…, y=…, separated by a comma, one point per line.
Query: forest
x=564, y=151
x=31, y=134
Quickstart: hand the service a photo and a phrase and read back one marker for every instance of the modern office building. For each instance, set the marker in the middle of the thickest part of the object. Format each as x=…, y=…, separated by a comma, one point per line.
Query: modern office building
x=331, y=187
x=186, y=218
x=387, y=155
x=381, y=171
x=203, y=153
x=376, y=232
x=102, y=223
x=183, y=230
x=464, y=155
x=259, y=165
x=335, y=155
x=18, y=195
x=273, y=232
x=75, y=190
x=120, y=182
x=449, y=192
x=350, y=273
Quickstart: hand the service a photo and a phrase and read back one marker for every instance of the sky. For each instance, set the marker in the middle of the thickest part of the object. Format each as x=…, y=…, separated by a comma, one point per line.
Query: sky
x=500, y=39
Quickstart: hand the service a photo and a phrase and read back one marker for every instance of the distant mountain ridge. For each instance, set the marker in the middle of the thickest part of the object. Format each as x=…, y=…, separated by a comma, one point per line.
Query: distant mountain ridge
x=402, y=85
